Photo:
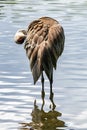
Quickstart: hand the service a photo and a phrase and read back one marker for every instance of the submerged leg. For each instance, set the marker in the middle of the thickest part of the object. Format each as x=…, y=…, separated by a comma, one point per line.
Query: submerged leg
x=53, y=106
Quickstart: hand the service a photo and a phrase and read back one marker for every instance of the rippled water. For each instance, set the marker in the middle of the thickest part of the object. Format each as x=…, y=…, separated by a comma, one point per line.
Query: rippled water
x=22, y=105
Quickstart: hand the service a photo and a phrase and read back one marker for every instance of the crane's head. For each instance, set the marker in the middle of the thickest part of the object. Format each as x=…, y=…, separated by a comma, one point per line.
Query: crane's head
x=20, y=36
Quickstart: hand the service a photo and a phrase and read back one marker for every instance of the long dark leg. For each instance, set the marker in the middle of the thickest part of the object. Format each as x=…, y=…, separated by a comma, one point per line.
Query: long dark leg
x=51, y=92
x=51, y=82
x=42, y=80
x=53, y=106
x=43, y=93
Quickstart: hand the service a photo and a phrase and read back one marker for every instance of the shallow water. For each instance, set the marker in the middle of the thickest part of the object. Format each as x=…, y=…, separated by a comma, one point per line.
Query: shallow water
x=22, y=105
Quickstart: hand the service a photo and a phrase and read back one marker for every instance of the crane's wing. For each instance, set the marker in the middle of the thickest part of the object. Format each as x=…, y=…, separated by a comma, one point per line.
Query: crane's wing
x=56, y=40
x=44, y=44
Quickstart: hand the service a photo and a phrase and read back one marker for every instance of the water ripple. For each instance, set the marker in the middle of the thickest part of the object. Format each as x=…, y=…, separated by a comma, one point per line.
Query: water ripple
x=19, y=98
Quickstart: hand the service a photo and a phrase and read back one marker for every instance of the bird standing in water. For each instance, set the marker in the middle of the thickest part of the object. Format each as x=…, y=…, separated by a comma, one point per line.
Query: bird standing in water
x=44, y=43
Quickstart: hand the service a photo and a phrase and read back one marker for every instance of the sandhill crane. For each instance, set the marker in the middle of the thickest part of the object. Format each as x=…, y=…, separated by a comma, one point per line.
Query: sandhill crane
x=44, y=43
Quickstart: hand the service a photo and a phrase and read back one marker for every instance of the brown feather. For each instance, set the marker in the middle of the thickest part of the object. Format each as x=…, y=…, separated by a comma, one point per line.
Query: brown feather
x=44, y=44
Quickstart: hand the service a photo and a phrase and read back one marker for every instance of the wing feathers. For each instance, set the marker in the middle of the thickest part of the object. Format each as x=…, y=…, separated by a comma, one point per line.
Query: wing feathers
x=44, y=44
x=47, y=62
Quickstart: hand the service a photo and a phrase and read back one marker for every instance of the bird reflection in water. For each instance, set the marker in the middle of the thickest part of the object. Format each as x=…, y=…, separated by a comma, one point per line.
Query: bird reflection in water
x=42, y=120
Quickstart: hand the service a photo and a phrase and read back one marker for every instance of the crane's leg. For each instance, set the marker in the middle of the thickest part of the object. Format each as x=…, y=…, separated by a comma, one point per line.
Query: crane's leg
x=51, y=82
x=52, y=106
x=51, y=92
x=42, y=80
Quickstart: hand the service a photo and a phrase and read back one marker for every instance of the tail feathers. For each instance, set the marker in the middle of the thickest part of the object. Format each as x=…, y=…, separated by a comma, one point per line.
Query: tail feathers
x=53, y=58
x=42, y=61
x=47, y=63
x=36, y=71
x=35, y=64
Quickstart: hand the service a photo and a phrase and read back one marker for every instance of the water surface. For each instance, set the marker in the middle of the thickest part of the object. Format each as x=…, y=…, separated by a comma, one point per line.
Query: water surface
x=22, y=105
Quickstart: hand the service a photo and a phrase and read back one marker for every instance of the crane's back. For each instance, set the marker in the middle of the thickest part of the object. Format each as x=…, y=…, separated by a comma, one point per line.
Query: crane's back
x=44, y=44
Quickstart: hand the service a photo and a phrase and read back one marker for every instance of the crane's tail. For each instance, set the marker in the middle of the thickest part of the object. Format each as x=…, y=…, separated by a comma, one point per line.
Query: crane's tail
x=41, y=61
x=35, y=64
x=47, y=62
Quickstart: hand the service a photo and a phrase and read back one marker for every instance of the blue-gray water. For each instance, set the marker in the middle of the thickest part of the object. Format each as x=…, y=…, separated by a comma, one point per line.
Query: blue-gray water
x=21, y=103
